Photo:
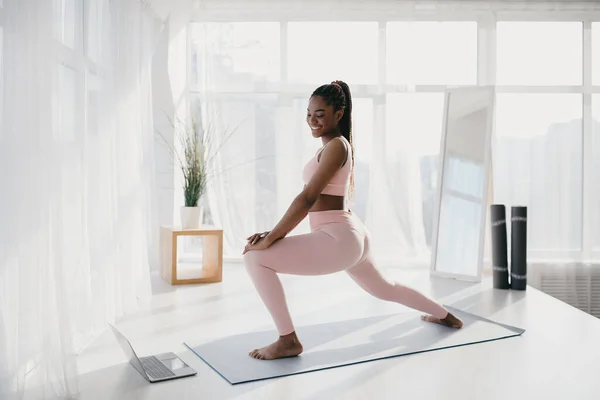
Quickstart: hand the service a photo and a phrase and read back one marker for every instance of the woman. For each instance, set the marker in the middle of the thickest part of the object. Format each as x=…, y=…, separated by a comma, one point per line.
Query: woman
x=338, y=240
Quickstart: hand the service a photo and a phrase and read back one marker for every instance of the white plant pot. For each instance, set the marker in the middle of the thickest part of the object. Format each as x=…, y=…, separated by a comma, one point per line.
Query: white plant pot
x=191, y=217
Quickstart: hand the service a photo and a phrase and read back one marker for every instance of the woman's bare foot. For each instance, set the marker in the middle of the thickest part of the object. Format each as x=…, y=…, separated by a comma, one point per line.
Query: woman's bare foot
x=285, y=346
x=449, y=320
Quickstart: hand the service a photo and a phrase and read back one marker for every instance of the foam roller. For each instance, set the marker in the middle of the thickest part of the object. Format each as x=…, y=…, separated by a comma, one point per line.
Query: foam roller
x=499, y=246
x=518, y=251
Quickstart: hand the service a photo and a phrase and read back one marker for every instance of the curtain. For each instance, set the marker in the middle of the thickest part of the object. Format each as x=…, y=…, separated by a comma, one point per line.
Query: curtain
x=237, y=80
x=76, y=183
x=258, y=68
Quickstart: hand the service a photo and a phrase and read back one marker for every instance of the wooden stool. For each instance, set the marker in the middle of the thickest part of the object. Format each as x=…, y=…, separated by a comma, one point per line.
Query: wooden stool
x=212, y=254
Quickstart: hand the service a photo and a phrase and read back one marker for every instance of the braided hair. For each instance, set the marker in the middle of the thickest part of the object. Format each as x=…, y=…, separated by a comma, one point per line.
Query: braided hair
x=337, y=94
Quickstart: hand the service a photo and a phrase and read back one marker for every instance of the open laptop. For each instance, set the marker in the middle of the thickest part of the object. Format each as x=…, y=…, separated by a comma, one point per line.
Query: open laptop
x=158, y=368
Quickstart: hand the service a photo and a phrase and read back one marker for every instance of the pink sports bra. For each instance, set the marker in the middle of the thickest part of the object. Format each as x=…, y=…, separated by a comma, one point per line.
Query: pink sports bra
x=339, y=183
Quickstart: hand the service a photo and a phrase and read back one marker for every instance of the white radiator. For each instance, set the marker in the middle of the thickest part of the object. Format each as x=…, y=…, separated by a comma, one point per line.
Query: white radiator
x=575, y=284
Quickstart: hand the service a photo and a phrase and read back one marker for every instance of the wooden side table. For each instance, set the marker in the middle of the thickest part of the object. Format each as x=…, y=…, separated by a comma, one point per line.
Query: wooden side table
x=212, y=254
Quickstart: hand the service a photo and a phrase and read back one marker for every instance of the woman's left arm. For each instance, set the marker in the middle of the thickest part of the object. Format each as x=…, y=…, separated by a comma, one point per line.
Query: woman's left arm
x=332, y=158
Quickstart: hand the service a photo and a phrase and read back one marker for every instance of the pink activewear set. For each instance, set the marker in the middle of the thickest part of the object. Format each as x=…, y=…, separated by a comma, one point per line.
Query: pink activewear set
x=338, y=241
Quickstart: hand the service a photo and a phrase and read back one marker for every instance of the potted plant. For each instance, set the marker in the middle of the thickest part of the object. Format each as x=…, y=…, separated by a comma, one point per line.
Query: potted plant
x=193, y=155
x=194, y=173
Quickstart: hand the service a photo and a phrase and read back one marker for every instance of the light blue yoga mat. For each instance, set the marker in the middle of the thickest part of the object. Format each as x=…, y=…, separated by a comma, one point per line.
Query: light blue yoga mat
x=344, y=343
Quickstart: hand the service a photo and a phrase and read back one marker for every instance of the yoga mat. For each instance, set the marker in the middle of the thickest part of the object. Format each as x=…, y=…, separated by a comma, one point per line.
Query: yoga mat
x=338, y=344
x=518, y=248
x=499, y=246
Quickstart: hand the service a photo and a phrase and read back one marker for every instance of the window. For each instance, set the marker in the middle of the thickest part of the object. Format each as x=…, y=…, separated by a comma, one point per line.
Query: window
x=537, y=150
x=95, y=17
x=229, y=54
x=539, y=53
x=596, y=53
x=242, y=133
x=93, y=104
x=68, y=107
x=432, y=53
x=414, y=123
x=67, y=29
x=596, y=172
x=1, y=80
x=413, y=131
x=362, y=136
x=320, y=52
x=538, y=163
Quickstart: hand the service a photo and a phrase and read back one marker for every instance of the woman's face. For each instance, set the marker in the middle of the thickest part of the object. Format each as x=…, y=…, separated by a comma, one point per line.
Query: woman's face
x=321, y=117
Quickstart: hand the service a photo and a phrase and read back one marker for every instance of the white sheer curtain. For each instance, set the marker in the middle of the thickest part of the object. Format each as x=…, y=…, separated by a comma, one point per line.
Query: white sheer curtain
x=76, y=179
x=260, y=65
x=238, y=68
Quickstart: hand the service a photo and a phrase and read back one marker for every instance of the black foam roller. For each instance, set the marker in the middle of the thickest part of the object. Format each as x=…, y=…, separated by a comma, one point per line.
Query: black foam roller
x=518, y=252
x=499, y=246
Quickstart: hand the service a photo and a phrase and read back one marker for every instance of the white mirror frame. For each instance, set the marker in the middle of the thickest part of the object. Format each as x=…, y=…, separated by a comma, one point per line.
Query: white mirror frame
x=487, y=197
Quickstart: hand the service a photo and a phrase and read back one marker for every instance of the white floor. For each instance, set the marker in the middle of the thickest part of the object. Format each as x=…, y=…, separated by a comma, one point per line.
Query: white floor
x=558, y=357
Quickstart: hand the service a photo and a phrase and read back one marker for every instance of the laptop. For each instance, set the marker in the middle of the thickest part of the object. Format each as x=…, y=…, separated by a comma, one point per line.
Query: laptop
x=158, y=368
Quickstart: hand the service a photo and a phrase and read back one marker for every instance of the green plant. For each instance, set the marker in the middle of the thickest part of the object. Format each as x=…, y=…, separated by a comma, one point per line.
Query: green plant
x=196, y=152
x=193, y=166
x=191, y=145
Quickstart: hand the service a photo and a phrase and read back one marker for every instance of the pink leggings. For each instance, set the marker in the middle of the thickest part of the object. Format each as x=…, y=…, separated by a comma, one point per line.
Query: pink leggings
x=338, y=242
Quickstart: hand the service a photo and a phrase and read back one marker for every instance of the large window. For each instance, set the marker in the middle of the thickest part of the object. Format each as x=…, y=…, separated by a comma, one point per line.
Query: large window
x=596, y=53
x=540, y=145
x=1, y=80
x=538, y=162
x=595, y=173
x=398, y=71
x=67, y=105
x=231, y=54
x=70, y=70
x=539, y=53
x=69, y=17
x=432, y=53
x=413, y=127
x=95, y=15
x=319, y=52
x=363, y=142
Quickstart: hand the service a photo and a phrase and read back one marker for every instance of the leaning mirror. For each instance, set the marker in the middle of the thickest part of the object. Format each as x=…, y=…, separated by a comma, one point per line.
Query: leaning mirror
x=462, y=192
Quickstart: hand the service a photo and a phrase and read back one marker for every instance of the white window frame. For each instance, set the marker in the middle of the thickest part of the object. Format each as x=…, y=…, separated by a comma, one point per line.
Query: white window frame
x=2, y=46
x=586, y=253
x=486, y=75
x=74, y=58
x=77, y=59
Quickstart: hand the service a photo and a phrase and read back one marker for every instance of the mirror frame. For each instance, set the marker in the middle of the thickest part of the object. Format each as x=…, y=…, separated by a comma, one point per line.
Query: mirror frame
x=491, y=94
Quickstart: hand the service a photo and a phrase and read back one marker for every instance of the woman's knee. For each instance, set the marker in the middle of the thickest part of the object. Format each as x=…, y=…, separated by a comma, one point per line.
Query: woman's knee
x=254, y=259
x=250, y=258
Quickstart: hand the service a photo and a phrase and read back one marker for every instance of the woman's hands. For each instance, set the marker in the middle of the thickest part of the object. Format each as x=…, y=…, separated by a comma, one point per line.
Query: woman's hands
x=256, y=237
x=258, y=241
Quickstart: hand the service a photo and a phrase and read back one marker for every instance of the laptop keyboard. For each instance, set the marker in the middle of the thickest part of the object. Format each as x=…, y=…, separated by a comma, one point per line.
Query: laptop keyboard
x=155, y=368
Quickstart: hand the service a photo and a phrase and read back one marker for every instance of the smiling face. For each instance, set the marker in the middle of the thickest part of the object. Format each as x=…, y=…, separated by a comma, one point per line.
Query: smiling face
x=321, y=117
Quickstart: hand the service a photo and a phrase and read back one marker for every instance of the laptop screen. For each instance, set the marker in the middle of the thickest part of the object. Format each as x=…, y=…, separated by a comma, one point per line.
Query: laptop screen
x=128, y=350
